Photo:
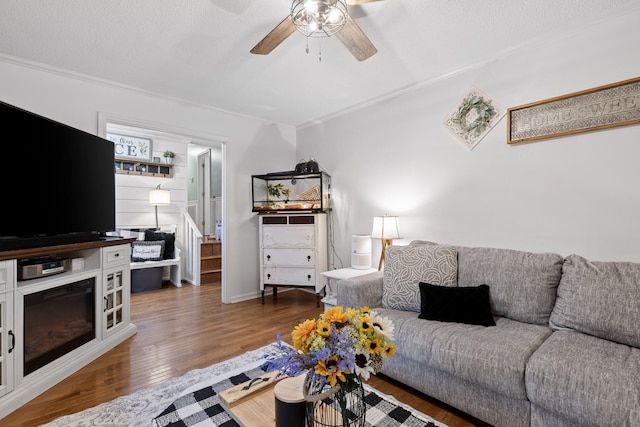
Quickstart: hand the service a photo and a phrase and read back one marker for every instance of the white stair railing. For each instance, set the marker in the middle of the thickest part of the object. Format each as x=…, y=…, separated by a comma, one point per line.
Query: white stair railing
x=191, y=253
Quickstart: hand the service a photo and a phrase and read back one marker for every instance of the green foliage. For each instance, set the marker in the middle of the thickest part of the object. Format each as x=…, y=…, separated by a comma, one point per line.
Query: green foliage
x=474, y=115
x=278, y=190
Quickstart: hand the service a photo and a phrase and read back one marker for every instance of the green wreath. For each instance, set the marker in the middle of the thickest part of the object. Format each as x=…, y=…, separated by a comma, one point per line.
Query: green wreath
x=483, y=111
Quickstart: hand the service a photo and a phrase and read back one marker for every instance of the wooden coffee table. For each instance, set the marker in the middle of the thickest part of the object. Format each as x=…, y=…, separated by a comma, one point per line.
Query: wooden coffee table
x=255, y=406
x=258, y=411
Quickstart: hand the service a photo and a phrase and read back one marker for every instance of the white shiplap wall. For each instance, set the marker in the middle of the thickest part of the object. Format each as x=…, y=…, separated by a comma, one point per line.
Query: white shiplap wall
x=132, y=191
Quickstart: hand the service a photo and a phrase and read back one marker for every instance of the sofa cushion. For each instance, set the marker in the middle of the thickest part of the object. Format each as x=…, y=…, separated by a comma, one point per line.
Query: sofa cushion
x=360, y=291
x=523, y=284
x=586, y=380
x=469, y=305
x=494, y=357
x=600, y=299
x=406, y=266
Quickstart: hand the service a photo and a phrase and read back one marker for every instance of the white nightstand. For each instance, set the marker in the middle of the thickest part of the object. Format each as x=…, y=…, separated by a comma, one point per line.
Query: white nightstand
x=333, y=276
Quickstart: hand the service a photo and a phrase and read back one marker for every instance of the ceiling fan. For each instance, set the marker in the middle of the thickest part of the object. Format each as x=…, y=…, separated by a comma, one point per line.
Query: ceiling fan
x=321, y=18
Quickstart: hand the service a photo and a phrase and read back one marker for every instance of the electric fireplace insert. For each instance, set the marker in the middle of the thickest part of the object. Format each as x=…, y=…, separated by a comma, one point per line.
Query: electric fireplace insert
x=57, y=321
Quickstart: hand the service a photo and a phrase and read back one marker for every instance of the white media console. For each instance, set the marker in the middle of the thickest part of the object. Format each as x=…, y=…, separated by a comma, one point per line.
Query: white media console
x=101, y=270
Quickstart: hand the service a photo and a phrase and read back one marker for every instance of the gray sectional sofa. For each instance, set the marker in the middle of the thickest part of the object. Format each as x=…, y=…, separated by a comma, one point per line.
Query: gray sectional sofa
x=564, y=350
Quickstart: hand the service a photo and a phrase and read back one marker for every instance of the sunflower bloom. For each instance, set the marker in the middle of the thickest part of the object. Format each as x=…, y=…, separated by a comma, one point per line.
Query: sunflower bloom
x=365, y=310
x=389, y=350
x=324, y=327
x=365, y=324
x=301, y=333
x=335, y=314
x=375, y=346
x=330, y=370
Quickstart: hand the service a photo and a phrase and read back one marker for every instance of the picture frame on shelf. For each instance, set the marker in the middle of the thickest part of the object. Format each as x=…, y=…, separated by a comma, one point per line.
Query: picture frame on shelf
x=130, y=147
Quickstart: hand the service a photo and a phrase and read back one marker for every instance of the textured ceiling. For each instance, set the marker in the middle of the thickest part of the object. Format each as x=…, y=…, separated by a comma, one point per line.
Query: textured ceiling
x=198, y=50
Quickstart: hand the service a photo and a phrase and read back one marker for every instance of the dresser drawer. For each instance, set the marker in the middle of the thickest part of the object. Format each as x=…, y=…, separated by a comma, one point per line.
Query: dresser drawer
x=289, y=276
x=116, y=255
x=288, y=237
x=289, y=257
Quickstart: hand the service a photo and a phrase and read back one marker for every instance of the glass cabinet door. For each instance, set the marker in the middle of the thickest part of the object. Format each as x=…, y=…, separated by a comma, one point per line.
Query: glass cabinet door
x=114, y=297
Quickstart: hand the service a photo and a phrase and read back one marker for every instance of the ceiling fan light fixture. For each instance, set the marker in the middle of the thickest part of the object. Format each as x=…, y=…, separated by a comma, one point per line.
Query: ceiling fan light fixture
x=319, y=18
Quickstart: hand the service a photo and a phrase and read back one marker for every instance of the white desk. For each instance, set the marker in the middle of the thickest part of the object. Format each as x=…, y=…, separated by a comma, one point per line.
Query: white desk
x=335, y=275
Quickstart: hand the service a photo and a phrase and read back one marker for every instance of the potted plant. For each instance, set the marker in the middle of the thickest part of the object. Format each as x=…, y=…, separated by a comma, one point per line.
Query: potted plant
x=168, y=156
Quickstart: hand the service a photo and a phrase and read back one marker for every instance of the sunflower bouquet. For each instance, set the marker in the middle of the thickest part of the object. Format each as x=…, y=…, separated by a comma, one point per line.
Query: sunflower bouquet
x=338, y=348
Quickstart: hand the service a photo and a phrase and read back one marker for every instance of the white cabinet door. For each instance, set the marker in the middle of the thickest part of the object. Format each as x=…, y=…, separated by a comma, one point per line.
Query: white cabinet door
x=7, y=343
x=116, y=289
x=7, y=334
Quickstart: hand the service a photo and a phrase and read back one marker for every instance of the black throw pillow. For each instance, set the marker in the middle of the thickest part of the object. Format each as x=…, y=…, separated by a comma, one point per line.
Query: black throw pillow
x=469, y=305
x=169, y=241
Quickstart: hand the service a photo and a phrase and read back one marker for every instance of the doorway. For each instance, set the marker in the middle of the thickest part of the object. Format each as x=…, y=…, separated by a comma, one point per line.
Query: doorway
x=132, y=204
x=208, y=190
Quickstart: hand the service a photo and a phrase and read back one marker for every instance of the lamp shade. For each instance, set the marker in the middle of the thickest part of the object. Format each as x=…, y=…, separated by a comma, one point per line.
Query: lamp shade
x=159, y=197
x=386, y=227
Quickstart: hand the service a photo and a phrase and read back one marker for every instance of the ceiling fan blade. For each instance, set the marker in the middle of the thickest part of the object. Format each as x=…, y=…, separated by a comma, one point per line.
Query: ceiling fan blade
x=352, y=36
x=275, y=37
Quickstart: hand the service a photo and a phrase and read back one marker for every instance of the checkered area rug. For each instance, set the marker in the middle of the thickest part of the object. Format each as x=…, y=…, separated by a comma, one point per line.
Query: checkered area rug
x=199, y=387
x=202, y=408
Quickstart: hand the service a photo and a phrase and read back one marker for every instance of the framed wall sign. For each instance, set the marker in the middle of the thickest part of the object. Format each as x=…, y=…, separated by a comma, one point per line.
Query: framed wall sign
x=616, y=104
x=130, y=147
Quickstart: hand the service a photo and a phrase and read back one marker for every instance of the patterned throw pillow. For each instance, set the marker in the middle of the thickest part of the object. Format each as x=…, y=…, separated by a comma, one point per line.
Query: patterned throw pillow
x=406, y=266
x=147, y=251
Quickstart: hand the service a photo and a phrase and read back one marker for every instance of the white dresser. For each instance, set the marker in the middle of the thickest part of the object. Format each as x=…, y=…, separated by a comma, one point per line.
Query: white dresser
x=293, y=249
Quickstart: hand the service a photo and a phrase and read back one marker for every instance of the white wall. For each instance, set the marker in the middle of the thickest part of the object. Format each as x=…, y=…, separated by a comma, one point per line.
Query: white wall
x=572, y=194
x=250, y=146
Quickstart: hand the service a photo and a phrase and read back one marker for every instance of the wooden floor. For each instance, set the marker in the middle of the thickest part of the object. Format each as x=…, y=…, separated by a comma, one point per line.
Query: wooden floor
x=180, y=329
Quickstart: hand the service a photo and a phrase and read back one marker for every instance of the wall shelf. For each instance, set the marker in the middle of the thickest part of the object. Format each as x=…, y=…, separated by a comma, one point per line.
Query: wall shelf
x=148, y=168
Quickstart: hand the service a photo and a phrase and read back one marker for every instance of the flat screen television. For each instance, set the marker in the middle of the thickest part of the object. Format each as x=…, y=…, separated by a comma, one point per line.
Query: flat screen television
x=58, y=182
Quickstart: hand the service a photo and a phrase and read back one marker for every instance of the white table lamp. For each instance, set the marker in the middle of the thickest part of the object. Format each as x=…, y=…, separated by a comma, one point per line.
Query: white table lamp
x=386, y=228
x=158, y=197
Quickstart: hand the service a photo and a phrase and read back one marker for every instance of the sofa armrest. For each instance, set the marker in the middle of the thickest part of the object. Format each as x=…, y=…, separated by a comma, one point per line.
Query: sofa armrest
x=360, y=291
